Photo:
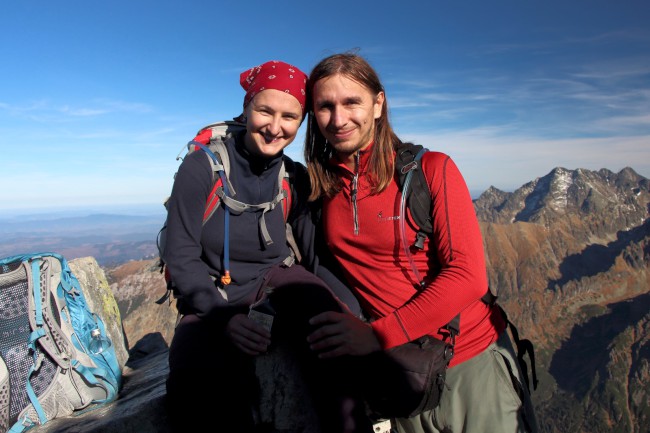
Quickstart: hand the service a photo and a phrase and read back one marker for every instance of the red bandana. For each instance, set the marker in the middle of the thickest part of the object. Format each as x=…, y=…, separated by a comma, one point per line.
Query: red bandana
x=274, y=75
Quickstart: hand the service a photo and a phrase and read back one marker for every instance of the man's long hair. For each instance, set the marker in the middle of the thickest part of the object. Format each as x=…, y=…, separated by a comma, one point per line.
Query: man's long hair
x=318, y=152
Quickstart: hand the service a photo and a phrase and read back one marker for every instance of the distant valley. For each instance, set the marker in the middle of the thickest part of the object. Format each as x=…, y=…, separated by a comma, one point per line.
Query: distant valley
x=111, y=238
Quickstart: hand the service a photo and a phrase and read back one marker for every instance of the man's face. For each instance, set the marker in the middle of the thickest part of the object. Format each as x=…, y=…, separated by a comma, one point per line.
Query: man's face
x=273, y=118
x=345, y=112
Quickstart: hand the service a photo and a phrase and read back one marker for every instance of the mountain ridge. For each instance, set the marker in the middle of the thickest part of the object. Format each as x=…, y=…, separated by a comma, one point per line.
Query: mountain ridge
x=568, y=254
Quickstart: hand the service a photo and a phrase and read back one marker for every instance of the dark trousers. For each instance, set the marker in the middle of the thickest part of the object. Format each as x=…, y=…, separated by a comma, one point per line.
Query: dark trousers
x=211, y=384
x=203, y=362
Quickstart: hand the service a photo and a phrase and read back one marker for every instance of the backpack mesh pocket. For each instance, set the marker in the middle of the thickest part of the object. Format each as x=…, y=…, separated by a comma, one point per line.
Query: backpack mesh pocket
x=14, y=336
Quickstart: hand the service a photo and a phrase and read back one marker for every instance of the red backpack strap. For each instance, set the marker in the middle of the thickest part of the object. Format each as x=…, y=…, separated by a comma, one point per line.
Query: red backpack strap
x=212, y=202
x=288, y=174
x=288, y=178
x=202, y=140
x=286, y=207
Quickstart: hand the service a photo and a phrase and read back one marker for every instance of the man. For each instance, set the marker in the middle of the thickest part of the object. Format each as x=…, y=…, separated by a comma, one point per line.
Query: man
x=350, y=155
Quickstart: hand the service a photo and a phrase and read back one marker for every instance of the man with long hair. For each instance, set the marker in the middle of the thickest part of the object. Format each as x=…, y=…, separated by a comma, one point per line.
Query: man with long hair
x=350, y=155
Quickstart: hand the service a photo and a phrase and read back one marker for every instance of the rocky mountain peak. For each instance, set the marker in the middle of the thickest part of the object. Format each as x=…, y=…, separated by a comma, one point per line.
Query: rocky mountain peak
x=568, y=254
x=576, y=194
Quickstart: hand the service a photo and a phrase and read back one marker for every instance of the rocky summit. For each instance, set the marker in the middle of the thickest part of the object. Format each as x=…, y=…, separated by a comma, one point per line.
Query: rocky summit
x=568, y=254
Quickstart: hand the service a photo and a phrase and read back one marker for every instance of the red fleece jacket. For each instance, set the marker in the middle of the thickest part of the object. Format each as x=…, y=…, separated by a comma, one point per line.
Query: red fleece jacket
x=452, y=262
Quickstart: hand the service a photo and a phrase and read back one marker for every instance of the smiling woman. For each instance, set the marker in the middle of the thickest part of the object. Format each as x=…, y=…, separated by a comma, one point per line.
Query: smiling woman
x=224, y=265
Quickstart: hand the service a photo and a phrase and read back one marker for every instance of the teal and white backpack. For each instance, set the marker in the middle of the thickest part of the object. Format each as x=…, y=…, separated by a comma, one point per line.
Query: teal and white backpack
x=55, y=356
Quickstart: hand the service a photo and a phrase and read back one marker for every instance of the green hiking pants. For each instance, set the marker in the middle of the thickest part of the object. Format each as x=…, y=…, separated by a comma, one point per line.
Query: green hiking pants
x=480, y=398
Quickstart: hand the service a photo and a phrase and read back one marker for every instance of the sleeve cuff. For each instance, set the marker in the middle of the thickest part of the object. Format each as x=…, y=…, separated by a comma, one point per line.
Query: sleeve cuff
x=390, y=332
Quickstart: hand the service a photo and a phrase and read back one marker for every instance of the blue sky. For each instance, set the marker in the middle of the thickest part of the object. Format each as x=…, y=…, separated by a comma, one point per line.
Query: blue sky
x=98, y=98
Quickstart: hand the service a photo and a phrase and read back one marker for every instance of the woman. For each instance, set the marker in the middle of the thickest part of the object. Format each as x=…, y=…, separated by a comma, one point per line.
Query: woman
x=215, y=339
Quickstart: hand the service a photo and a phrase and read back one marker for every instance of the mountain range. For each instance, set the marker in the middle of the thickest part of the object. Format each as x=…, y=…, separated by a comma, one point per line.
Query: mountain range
x=568, y=254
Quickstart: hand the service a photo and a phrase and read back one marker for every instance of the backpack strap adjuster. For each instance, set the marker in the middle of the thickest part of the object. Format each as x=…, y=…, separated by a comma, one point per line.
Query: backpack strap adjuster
x=419, y=240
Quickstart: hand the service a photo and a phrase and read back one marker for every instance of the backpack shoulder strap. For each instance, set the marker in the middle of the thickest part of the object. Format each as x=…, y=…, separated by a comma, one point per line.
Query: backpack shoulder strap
x=406, y=176
x=211, y=139
x=286, y=182
x=415, y=192
x=418, y=196
x=220, y=164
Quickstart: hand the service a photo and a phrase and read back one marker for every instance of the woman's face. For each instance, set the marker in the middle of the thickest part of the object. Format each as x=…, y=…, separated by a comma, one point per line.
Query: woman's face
x=273, y=119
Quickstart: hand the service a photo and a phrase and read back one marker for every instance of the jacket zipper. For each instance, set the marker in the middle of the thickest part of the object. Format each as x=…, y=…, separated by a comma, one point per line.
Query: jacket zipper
x=353, y=195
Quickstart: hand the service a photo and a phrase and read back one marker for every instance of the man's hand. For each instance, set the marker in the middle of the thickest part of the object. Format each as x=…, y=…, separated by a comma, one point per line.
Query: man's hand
x=341, y=334
x=248, y=336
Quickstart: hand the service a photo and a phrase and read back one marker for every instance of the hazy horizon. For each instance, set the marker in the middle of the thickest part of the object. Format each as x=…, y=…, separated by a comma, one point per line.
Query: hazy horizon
x=158, y=209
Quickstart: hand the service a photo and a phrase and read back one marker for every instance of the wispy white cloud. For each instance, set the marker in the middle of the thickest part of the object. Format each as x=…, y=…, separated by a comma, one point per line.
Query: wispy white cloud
x=125, y=106
x=457, y=97
x=406, y=102
x=555, y=44
x=48, y=111
x=487, y=156
x=613, y=70
x=616, y=36
x=604, y=98
x=638, y=120
x=81, y=112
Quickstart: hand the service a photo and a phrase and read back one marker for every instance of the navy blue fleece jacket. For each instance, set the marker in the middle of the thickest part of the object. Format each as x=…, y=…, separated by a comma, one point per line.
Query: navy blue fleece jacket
x=194, y=252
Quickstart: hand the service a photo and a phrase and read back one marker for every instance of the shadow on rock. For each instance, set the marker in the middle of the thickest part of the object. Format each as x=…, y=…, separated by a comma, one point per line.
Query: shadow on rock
x=586, y=354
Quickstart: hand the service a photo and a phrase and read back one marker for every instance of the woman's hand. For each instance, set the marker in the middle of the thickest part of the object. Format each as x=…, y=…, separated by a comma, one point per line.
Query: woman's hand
x=341, y=334
x=248, y=336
